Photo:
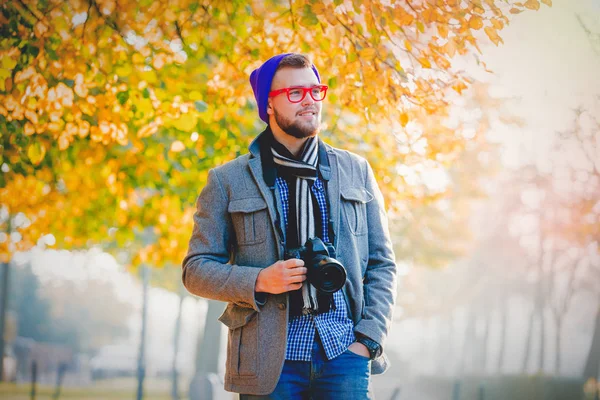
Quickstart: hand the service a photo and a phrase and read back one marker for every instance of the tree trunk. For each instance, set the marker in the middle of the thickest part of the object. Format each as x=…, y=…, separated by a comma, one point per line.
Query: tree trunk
x=176, y=334
x=451, y=347
x=539, y=300
x=423, y=344
x=444, y=347
x=503, y=301
x=205, y=385
x=557, y=345
x=592, y=364
x=207, y=358
x=467, y=350
x=141, y=372
x=542, y=354
x=483, y=346
x=3, y=309
x=528, y=342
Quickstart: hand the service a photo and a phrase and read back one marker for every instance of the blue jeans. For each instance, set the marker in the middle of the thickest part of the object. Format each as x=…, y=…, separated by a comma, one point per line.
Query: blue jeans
x=346, y=377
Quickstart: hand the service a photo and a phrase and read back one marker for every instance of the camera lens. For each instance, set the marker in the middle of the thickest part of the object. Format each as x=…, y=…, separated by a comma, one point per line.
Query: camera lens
x=328, y=275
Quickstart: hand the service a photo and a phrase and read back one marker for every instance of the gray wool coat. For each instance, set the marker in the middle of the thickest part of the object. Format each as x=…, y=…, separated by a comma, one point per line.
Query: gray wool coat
x=235, y=235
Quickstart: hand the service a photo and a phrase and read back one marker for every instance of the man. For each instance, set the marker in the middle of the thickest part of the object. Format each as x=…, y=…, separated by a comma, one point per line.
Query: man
x=287, y=339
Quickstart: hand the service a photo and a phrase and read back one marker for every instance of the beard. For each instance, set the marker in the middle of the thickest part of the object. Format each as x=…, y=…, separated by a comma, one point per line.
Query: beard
x=297, y=129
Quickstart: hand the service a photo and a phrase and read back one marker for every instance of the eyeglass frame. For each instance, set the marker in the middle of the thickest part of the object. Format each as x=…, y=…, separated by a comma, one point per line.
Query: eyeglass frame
x=305, y=90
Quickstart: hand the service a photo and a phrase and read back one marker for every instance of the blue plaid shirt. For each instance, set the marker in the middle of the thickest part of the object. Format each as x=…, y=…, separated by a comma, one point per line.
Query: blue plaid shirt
x=335, y=329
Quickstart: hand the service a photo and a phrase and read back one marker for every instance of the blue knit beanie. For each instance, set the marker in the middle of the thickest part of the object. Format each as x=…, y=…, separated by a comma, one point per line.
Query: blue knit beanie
x=261, y=79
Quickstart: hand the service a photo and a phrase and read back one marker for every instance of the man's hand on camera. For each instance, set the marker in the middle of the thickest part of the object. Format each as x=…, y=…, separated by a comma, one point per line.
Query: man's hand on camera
x=281, y=277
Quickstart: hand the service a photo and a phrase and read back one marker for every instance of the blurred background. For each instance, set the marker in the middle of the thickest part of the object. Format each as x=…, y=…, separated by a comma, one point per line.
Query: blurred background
x=481, y=120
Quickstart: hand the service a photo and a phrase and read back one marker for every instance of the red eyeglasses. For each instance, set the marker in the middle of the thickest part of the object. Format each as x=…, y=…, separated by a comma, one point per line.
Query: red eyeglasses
x=297, y=94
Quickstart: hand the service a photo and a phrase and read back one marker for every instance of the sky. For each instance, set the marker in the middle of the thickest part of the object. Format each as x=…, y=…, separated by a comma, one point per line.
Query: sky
x=549, y=66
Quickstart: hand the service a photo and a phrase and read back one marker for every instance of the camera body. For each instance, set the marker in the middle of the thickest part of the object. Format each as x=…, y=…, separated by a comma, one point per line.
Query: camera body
x=325, y=273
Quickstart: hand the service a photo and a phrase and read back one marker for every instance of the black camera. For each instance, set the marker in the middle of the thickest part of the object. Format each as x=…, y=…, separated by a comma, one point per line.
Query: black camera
x=324, y=272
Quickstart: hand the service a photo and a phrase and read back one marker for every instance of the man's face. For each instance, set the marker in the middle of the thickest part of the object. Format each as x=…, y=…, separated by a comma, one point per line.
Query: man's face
x=299, y=120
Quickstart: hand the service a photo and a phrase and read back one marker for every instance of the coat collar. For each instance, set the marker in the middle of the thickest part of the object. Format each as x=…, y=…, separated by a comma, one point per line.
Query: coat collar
x=261, y=152
x=259, y=166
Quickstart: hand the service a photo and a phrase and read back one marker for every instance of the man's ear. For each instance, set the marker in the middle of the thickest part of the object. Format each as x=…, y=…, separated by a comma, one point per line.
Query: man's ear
x=269, y=107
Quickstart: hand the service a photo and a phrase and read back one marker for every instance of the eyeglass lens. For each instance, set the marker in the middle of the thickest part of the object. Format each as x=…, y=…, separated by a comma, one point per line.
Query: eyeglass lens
x=297, y=94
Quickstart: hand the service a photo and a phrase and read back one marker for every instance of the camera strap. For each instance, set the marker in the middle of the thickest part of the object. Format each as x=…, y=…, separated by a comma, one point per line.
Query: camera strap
x=325, y=174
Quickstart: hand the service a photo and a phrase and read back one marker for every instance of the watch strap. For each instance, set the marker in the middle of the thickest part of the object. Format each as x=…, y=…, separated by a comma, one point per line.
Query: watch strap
x=371, y=345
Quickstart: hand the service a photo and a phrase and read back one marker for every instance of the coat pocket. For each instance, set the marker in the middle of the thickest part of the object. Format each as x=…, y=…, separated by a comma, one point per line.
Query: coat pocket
x=242, y=339
x=354, y=207
x=249, y=218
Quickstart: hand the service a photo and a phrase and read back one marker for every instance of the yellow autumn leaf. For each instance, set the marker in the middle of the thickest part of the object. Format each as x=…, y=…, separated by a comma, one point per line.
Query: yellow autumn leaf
x=147, y=130
x=478, y=9
x=137, y=58
x=124, y=70
x=144, y=106
x=496, y=23
x=450, y=47
x=443, y=30
x=425, y=62
x=195, y=95
x=547, y=2
x=459, y=87
x=408, y=45
x=515, y=11
x=475, y=22
x=28, y=129
x=404, y=119
x=532, y=4
x=493, y=35
x=186, y=123
x=367, y=54
x=63, y=141
x=442, y=62
x=8, y=63
x=319, y=8
x=36, y=152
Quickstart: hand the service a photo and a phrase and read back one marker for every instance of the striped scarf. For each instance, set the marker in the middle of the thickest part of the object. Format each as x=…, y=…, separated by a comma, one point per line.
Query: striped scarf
x=305, y=170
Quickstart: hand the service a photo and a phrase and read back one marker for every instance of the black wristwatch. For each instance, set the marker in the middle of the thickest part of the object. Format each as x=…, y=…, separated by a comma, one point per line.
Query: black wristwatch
x=371, y=345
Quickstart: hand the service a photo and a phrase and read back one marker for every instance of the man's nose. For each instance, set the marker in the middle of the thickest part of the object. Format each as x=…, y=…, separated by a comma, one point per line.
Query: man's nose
x=308, y=100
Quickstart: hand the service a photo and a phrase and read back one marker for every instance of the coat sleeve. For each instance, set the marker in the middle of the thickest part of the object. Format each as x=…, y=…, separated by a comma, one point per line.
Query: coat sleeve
x=380, y=277
x=206, y=268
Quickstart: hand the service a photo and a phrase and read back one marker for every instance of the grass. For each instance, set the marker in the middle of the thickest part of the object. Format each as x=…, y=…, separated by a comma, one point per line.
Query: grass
x=107, y=389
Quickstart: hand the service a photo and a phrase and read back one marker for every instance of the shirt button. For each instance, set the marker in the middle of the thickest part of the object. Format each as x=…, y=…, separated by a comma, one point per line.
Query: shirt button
x=281, y=306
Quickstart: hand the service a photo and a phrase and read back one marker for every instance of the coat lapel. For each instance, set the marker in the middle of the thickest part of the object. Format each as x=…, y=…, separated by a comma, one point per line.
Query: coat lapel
x=333, y=192
x=329, y=172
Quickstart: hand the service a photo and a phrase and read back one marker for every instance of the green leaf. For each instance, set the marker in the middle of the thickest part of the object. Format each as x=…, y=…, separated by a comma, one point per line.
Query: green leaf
x=123, y=97
x=21, y=140
x=32, y=50
x=52, y=54
x=308, y=17
x=332, y=82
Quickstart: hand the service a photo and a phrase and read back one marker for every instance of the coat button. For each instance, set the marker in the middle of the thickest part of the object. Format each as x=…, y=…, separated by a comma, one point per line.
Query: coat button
x=281, y=306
